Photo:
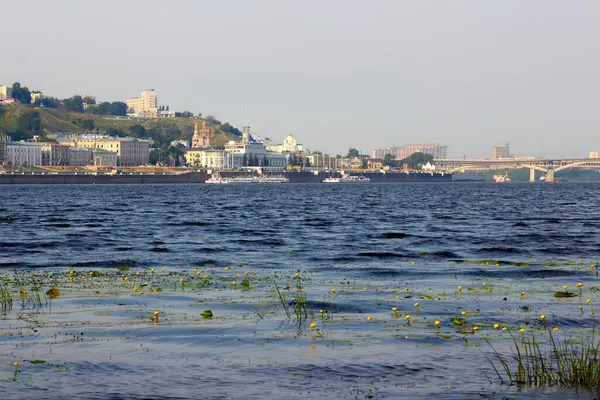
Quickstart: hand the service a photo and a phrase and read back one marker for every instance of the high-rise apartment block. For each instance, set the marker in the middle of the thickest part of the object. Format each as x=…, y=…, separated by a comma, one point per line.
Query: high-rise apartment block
x=144, y=106
x=5, y=92
x=501, y=152
x=594, y=154
x=401, y=152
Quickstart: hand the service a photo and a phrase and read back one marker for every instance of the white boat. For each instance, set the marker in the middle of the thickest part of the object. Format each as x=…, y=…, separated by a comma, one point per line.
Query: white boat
x=215, y=180
x=331, y=179
x=241, y=179
x=355, y=179
x=273, y=179
x=501, y=178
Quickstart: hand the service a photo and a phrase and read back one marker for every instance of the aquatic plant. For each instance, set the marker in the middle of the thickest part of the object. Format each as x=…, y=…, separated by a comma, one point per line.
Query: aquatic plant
x=564, y=363
x=16, y=364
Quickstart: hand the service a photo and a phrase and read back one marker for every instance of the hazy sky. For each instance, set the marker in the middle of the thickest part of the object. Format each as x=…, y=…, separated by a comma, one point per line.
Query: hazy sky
x=371, y=73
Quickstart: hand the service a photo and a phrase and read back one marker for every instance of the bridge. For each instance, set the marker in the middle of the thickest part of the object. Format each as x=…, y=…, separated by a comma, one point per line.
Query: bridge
x=548, y=166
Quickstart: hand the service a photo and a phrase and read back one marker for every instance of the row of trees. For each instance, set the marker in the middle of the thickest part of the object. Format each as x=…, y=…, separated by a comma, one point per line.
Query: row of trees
x=253, y=161
x=79, y=104
x=413, y=161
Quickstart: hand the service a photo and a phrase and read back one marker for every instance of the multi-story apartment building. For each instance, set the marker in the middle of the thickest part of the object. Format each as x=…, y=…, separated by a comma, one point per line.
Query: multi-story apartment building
x=401, y=152
x=144, y=106
x=594, y=154
x=5, y=92
x=131, y=152
x=104, y=158
x=501, y=152
x=2, y=148
x=54, y=154
x=23, y=153
x=79, y=156
x=207, y=158
x=322, y=161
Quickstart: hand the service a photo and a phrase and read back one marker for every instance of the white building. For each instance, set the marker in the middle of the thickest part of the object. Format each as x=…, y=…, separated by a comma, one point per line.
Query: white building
x=79, y=156
x=131, y=152
x=144, y=106
x=290, y=145
x=5, y=92
x=593, y=154
x=246, y=153
x=166, y=113
x=104, y=158
x=23, y=153
x=54, y=154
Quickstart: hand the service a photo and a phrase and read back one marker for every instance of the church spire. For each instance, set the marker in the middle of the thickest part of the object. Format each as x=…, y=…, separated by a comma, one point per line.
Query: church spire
x=196, y=142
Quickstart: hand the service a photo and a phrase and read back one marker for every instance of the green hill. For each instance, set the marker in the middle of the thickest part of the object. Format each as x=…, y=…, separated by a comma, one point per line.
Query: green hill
x=25, y=121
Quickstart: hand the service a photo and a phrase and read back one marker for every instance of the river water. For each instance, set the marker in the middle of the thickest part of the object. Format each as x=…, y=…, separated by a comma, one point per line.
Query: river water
x=359, y=251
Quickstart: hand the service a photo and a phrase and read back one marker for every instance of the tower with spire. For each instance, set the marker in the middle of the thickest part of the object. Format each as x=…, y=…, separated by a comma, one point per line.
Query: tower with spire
x=196, y=142
x=205, y=135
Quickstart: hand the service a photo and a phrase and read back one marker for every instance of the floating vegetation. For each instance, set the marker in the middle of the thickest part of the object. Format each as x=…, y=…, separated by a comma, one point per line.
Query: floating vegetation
x=207, y=314
x=565, y=294
x=53, y=293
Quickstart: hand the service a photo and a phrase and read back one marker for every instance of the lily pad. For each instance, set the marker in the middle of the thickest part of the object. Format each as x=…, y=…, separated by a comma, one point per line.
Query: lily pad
x=38, y=362
x=123, y=268
x=565, y=294
x=207, y=314
x=53, y=293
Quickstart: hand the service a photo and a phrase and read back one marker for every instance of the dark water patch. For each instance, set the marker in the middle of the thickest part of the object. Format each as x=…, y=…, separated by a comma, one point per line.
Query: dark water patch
x=7, y=219
x=382, y=254
x=124, y=248
x=49, y=245
x=265, y=242
x=393, y=235
x=369, y=370
x=63, y=225
x=7, y=245
x=101, y=264
x=443, y=217
x=501, y=250
x=520, y=225
x=443, y=254
x=317, y=222
x=341, y=307
x=520, y=273
x=93, y=225
x=380, y=271
x=160, y=250
x=193, y=223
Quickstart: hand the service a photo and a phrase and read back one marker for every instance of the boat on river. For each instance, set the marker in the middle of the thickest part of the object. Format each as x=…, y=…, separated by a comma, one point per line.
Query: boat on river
x=501, y=178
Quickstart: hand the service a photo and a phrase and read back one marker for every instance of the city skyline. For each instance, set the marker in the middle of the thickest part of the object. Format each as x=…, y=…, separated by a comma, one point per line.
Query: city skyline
x=465, y=74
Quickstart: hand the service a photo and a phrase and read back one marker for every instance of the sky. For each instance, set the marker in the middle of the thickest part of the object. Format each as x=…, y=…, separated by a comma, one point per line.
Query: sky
x=469, y=74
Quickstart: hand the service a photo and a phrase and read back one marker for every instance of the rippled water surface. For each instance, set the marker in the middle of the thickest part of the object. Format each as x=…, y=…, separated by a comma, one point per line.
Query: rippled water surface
x=359, y=251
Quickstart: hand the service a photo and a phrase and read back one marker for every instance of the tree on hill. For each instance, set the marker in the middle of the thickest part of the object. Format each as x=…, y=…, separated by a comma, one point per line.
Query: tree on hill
x=117, y=108
x=415, y=160
x=137, y=130
x=226, y=127
x=185, y=114
x=212, y=119
x=48, y=102
x=21, y=93
x=390, y=161
x=74, y=104
x=352, y=152
x=87, y=123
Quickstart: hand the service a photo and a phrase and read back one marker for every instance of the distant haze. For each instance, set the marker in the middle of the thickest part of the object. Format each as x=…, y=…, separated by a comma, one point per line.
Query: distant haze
x=369, y=73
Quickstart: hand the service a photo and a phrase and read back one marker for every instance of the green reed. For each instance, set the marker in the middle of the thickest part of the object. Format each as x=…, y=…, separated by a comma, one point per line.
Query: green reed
x=562, y=362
